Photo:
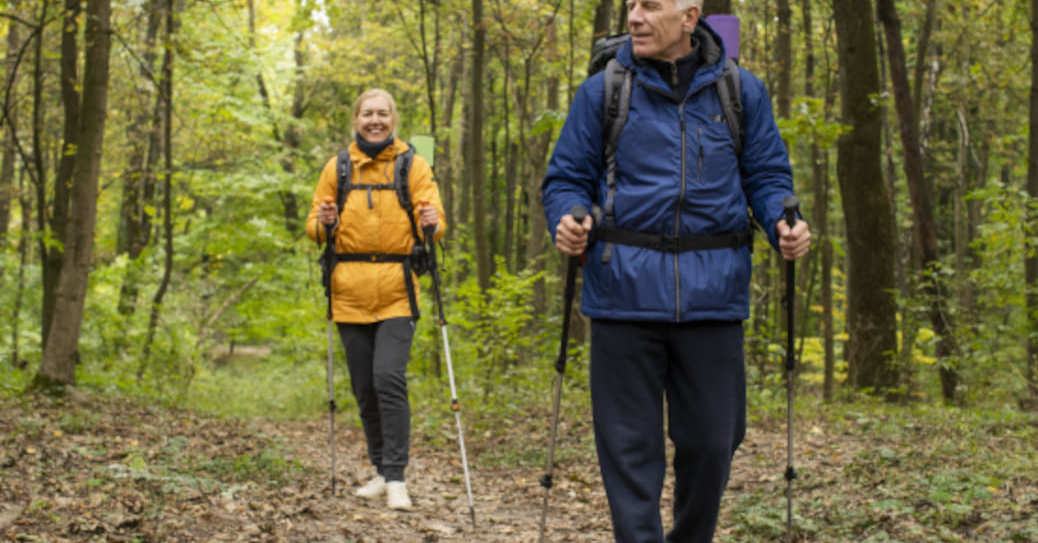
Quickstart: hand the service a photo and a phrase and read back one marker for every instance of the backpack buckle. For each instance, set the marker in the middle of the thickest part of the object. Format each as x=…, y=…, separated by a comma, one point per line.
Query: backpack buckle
x=667, y=243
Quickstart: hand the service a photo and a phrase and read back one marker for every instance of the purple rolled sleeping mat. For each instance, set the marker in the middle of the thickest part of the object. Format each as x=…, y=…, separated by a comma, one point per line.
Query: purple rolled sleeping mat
x=727, y=26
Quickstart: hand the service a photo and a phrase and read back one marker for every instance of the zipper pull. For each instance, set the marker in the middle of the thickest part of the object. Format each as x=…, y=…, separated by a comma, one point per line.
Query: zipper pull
x=371, y=205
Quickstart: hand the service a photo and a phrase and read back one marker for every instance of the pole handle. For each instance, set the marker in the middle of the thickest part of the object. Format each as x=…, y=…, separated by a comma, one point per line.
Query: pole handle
x=790, y=206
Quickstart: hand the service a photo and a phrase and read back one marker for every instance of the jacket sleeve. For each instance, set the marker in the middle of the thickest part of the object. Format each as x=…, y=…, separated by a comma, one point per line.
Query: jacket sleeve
x=424, y=190
x=576, y=163
x=326, y=188
x=767, y=177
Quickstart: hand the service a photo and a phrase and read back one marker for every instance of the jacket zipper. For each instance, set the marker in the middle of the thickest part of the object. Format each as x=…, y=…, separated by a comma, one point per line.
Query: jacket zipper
x=677, y=213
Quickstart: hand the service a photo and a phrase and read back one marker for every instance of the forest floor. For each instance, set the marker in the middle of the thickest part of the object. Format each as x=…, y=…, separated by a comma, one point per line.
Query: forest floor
x=98, y=468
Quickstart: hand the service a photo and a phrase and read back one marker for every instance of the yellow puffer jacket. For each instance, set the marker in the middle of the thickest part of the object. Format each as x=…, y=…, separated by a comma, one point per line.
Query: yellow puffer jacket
x=373, y=222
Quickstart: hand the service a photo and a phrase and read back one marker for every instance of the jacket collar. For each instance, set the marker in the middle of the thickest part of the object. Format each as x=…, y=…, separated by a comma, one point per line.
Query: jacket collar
x=388, y=154
x=713, y=55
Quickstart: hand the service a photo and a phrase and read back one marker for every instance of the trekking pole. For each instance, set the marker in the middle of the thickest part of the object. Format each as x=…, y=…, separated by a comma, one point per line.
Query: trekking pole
x=455, y=407
x=328, y=264
x=578, y=212
x=789, y=204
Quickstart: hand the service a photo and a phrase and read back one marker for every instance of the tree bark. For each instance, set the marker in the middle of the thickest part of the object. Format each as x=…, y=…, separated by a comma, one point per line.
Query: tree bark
x=784, y=58
x=922, y=204
x=167, y=189
x=820, y=213
x=711, y=7
x=866, y=206
x=58, y=364
x=139, y=183
x=59, y=217
x=603, y=17
x=475, y=165
x=9, y=130
x=1031, y=266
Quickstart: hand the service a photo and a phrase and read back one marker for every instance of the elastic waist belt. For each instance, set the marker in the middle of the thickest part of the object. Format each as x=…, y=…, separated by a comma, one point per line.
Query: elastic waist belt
x=371, y=257
x=674, y=244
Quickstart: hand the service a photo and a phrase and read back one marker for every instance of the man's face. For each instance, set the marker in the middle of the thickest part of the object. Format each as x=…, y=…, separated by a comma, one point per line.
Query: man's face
x=659, y=30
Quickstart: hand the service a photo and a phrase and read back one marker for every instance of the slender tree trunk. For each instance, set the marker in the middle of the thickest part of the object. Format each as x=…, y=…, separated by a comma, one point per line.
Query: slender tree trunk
x=511, y=163
x=58, y=365
x=39, y=177
x=784, y=58
x=621, y=19
x=1031, y=266
x=866, y=206
x=711, y=7
x=603, y=17
x=9, y=131
x=820, y=213
x=448, y=181
x=475, y=158
x=138, y=185
x=167, y=187
x=23, y=257
x=922, y=204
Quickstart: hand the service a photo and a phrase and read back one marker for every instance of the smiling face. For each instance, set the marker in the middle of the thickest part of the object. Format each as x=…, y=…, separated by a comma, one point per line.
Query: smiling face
x=375, y=119
x=660, y=28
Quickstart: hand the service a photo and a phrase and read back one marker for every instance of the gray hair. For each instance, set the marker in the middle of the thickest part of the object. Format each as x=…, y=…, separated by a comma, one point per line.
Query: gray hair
x=685, y=4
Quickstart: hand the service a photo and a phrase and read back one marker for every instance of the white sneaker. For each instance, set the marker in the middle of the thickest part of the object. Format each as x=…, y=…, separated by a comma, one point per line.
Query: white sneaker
x=396, y=495
x=373, y=488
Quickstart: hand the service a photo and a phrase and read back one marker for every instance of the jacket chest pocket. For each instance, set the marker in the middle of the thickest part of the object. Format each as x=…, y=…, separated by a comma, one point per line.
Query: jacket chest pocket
x=715, y=153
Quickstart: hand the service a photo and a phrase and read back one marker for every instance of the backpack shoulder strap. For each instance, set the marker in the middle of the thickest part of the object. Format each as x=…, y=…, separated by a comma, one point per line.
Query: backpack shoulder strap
x=614, y=111
x=401, y=184
x=729, y=92
x=345, y=168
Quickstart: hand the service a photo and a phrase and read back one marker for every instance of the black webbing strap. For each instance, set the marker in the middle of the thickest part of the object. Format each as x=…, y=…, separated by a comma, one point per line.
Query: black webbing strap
x=405, y=260
x=674, y=244
x=617, y=104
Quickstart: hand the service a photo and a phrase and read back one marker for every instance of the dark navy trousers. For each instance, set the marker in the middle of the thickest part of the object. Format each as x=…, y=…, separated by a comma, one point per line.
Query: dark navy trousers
x=698, y=369
x=377, y=355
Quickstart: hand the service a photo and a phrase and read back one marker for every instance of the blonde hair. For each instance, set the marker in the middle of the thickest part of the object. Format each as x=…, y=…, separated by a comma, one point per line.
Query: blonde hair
x=375, y=93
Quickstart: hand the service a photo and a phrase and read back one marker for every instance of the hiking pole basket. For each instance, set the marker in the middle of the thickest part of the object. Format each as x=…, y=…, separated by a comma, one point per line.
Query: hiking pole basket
x=578, y=212
x=455, y=406
x=327, y=265
x=789, y=213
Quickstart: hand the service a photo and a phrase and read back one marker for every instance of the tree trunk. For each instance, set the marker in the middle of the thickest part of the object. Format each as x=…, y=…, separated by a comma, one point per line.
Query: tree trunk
x=711, y=7
x=922, y=204
x=784, y=58
x=603, y=17
x=58, y=365
x=9, y=131
x=820, y=213
x=167, y=188
x=23, y=257
x=475, y=158
x=866, y=206
x=1031, y=266
x=139, y=185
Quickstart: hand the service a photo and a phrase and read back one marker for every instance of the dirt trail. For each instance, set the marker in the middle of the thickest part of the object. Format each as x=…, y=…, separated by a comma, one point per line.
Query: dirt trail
x=100, y=469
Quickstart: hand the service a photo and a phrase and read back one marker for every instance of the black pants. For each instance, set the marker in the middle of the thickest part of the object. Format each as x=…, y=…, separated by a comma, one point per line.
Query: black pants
x=377, y=357
x=698, y=368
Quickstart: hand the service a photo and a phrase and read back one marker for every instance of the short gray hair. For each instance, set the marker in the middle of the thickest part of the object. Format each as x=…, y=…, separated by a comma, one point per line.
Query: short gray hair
x=685, y=4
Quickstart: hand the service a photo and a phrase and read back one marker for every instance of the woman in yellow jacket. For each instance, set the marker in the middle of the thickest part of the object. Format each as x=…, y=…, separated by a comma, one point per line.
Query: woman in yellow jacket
x=372, y=297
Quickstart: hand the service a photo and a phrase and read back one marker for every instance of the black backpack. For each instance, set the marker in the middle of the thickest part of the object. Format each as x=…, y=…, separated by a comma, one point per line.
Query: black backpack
x=419, y=260
x=617, y=103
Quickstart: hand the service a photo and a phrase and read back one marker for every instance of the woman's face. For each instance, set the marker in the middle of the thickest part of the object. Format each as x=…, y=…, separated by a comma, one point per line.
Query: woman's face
x=374, y=121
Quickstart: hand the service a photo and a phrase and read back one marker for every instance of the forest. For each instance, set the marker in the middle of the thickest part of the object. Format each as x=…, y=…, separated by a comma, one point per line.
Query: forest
x=162, y=362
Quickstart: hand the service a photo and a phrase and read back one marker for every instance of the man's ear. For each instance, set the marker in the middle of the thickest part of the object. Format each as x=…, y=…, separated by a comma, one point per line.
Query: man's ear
x=690, y=19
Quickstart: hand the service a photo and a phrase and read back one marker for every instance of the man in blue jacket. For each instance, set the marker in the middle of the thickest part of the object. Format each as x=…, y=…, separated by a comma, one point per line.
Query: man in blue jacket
x=666, y=280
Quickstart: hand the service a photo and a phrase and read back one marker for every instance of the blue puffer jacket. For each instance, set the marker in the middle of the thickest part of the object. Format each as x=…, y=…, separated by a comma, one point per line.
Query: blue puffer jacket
x=677, y=173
